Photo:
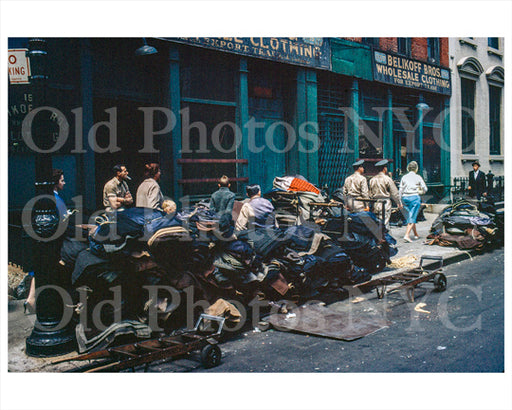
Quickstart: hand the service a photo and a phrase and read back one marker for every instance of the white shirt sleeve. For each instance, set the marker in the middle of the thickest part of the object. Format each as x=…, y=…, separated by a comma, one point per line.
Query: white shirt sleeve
x=243, y=218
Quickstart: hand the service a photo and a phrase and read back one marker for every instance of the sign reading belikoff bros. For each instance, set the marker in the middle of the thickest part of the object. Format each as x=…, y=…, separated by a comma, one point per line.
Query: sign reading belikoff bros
x=311, y=52
x=404, y=72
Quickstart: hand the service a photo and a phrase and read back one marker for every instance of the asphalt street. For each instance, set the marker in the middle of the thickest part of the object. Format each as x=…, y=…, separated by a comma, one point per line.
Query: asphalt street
x=458, y=330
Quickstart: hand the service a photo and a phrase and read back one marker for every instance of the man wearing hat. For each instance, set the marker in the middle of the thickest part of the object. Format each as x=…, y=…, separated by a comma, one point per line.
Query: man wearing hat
x=383, y=187
x=355, y=186
x=477, y=183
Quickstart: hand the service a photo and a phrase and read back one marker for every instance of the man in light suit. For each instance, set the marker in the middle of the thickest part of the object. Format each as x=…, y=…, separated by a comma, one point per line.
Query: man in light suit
x=356, y=186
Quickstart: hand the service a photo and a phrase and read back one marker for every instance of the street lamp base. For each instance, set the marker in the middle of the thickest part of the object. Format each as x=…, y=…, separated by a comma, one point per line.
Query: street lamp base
x=44, y=343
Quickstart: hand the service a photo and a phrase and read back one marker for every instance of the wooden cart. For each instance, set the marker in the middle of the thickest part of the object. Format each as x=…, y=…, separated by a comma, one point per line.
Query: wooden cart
x=133, y=355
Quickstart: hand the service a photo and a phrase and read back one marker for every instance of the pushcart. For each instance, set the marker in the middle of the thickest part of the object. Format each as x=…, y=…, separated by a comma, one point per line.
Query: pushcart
x=410, y=279
x=202, y=338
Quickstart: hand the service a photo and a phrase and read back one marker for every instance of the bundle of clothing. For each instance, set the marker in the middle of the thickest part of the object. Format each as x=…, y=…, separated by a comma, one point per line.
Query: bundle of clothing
x=464, y=226
x=122, y=229
x=291, y=197
x=367, y=241
x=496, y=210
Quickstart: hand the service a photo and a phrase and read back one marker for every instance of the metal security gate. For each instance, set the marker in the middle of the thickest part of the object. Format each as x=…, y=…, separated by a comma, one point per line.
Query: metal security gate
x=333, y=160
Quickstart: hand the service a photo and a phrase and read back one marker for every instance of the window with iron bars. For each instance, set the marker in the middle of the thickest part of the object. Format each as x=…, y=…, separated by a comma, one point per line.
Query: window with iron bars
x=333, y=161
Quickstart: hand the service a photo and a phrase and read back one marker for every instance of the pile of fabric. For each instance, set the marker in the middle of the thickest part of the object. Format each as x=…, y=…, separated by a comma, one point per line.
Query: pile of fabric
x=367, y=242
x=464, y=226
x=360, y=235
x=496, y=211
x=196, y=254
x=147, y=261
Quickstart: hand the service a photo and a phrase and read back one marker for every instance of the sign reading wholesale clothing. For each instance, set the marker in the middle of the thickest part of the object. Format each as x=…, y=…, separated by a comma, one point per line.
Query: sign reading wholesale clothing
x=311, y=52
x=404, y=72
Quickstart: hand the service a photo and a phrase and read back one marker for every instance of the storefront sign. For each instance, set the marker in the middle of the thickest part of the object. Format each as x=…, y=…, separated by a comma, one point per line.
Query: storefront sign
x=404, y=72
x=20, y=103
x=19, y=66
x=311, y=52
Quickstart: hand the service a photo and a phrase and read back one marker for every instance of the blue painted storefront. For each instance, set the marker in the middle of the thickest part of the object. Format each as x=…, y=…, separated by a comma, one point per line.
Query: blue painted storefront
x=293, y=99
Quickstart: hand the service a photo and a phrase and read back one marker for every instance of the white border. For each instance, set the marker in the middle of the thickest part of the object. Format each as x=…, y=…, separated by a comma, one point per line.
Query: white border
x=251, y=391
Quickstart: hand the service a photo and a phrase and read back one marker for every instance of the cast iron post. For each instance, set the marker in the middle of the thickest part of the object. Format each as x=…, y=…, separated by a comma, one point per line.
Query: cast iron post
x=49, y=337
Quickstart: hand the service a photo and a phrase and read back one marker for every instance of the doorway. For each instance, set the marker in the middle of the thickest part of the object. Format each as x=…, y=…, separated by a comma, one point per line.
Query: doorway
x=267, y=87
x=128, y=130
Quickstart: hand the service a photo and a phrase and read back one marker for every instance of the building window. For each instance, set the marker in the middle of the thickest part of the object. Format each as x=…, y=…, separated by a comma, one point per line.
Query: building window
x=494, y=42
x=468, y=112
x=433, y=49
x=371, y=41
x=404, y=46
x=495, y=120
x=206, y=75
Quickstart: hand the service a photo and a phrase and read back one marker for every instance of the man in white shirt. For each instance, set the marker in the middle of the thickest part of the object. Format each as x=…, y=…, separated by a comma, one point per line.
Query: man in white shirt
x=257, y=213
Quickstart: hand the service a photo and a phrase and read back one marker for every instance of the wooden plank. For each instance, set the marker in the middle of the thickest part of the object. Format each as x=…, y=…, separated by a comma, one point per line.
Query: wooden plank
x=123, y=352
x=211, y=161
x=210, y=102
x=147, y=348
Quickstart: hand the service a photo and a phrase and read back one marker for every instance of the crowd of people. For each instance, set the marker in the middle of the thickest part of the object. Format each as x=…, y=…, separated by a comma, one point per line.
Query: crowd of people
x=257, y=212
x=381, y=188
x=357, y=190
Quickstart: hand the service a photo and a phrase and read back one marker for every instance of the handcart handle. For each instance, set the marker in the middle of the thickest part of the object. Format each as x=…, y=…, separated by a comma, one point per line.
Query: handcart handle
x=437, y=258
x=219, y=319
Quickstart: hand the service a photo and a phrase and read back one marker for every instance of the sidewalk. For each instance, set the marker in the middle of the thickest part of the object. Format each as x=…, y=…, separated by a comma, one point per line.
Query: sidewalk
x=419, y=247
x=21, y=325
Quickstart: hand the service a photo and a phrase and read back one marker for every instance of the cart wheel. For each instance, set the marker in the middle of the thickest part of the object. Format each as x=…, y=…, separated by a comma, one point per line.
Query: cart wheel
x=210, y=356
x=439, y=282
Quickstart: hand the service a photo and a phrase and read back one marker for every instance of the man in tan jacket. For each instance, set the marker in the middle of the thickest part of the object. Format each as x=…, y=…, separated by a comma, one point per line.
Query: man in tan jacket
x=383, y=187
x=355, y=186
x=116, y=194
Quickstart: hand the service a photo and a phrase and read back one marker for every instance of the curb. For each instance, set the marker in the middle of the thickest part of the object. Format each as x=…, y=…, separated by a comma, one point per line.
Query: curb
x=454, y=257
x=449, y=260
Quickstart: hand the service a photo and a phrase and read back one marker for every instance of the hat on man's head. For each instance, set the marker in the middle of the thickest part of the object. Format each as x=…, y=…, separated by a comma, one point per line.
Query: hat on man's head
x=359, y=163
x=382, y=163
x=476, y=162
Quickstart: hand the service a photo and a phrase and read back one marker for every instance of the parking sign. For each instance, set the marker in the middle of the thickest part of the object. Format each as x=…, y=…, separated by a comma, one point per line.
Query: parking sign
x=19, y=66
